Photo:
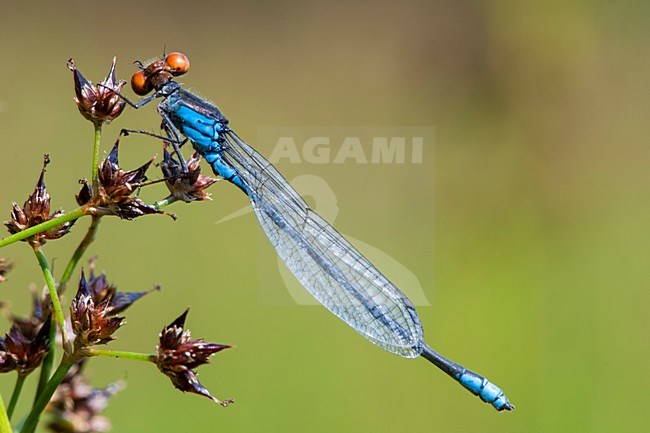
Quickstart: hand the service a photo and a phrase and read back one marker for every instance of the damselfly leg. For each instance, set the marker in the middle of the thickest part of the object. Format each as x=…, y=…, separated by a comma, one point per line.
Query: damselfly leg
x=171, y=137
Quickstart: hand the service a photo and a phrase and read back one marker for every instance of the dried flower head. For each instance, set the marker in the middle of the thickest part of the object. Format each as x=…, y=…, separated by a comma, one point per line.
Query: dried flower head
x=101, y=103
x=115, y=189
x=5, y=267
x=91, y=323
x=178, y=355
x=76, y=406
x=26, y=351
x=36, y=210
x=101, y=290
x=188, y=186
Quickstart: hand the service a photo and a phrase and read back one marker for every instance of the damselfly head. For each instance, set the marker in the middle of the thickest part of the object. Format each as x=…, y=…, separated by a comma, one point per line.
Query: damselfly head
x=158, y=73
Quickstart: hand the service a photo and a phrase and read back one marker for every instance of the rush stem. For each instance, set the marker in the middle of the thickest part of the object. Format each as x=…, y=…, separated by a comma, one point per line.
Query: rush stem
x=164, y=202
x=56, y=303
x=119, y=354
x=20, y=380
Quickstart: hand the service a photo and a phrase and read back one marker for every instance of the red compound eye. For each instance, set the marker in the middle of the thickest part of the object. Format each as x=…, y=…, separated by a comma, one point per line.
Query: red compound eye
x=177, y=63
x=140, y=85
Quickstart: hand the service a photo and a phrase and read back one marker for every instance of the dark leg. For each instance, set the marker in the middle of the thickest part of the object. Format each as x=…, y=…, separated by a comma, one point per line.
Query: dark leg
x=170, y=137
x=176, y=142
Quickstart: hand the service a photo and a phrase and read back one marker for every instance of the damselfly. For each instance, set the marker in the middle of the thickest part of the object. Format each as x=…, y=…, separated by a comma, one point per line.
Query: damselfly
x=331, y=269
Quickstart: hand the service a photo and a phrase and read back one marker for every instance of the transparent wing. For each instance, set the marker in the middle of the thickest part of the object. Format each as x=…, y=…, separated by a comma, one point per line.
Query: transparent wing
x=331, y=269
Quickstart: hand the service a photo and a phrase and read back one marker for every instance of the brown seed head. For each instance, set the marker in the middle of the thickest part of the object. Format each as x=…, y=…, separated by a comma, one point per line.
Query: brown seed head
x=188, y=186
x=26, y=351
x=36, y=210
x=101, y=103
x=115, y=189
x=91, y=323
x=178, y=355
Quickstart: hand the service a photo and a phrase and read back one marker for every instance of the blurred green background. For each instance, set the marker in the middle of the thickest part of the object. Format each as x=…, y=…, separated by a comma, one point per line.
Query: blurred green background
x=531, y=220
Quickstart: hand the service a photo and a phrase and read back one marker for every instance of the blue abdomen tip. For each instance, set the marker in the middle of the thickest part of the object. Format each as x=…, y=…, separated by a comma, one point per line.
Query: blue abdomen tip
x=485, y=390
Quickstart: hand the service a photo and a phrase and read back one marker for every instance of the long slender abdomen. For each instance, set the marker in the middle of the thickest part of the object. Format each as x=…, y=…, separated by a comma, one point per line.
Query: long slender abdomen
x=474, y=383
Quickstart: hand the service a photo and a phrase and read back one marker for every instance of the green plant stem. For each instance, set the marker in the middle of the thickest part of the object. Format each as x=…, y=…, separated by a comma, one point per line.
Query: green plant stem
x=54, y=222
x=56, y=303
x=20, y=380
x=164, y=202
x=5, y=425
x=45, y=396
x=46, y=367
x=95, y=167
x=79, y=252
x=119, y=354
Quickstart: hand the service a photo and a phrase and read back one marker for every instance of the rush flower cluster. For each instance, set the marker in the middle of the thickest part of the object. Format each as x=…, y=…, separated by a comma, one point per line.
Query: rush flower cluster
x=114, y=195
x=187, y=187
x=23, y=348
x=178, y=356
x=100, y=103
x=92, y=323
x=36, y=210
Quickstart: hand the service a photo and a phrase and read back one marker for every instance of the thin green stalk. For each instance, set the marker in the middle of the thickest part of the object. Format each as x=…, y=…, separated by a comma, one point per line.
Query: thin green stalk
x=20, y=380
x=54, y=222
x=79, y=252
x=5, y=425
x=95, y=167
x=164, y=202
x=119, y=354
x=46, y=367
x=56, y=302
x=45, y=396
